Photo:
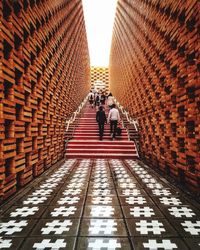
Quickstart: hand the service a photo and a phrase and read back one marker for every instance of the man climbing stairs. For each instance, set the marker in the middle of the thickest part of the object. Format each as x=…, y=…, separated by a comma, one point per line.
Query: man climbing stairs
x=86, y=143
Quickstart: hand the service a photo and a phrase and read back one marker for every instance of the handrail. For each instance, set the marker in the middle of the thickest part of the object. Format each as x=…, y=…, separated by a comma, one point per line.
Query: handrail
x=131, y=121
x=128, y=117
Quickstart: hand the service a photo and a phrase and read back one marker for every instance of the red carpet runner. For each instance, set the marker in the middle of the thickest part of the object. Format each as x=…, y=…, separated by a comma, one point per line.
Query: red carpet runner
x=86, y=143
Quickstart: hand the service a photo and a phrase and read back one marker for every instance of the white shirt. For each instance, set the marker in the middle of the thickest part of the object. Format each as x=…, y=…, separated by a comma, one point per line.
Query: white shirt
x=113, y=115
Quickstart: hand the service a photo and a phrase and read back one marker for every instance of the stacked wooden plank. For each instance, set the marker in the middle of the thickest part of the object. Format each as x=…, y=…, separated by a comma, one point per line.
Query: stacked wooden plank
x=44, y=75
x=154, y=73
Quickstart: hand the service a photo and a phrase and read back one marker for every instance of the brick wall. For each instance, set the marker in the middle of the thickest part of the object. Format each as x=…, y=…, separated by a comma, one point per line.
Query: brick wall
x=43, y=74
x=154, y=73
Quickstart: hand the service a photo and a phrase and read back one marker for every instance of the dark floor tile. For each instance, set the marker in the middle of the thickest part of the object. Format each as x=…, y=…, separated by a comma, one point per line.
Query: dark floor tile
x=102, y=211
x=56, y=227
x=103, y=243
x=193, y=243
x=62, y=212
x=16, y=228
x=55, y=243
x=141, y=212
x=103, y=227
x=24, y=212
x=141, y=243
x=102, y=200
x=150, y=227
x=10, y=243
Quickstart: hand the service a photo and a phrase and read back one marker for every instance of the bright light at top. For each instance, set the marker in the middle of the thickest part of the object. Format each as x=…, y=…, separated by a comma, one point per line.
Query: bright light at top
x=99, y=20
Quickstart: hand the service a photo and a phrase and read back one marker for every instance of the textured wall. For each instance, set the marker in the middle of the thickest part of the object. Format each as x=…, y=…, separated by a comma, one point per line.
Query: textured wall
x=102, y=74
x=154, y=73
x=44, y=75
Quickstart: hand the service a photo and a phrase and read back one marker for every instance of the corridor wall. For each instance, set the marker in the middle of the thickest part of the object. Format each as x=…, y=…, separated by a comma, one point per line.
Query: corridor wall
x=154, y=74
x=44, y=75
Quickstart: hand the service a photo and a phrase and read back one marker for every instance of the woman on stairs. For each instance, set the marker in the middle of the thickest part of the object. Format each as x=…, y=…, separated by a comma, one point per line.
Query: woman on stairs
x=101, y=119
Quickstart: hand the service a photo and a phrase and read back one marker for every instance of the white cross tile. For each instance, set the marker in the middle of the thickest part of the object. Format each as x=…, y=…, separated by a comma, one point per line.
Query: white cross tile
x=72, y=191
x=24, y=211
x=64, y=211
x=170, y=201
x=46, y=243
x=155, y=185
x=56, y=226
x=191, y=227
x=12, y=226
x=180, y=212
x=68, y=200
x=136, y=200
x=5, y=243
x=35, y=200
x=103, y=211
x=141, y=211
x=101, y=200
x=42, y=192
x=144, y=227
x=131, y=192
x=105, y=227
x=154, y=245
x=163, y=192
x=101, y=192
x=99, y=244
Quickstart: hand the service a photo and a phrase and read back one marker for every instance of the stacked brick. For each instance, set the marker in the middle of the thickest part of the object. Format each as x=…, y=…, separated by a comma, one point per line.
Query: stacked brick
x=100, y=78
x=154, y=73
x=44, y=75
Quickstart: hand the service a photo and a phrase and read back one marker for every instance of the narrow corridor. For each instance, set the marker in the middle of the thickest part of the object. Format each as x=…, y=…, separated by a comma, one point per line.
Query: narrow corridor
x=100, y=204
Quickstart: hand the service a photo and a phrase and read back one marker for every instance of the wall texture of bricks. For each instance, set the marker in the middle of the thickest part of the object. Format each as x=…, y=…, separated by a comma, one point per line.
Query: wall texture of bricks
x=154, y=73
x=44, y=75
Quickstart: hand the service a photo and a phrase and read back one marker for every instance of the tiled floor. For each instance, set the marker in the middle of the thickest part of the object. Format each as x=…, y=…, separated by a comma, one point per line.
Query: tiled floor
x=100, y=204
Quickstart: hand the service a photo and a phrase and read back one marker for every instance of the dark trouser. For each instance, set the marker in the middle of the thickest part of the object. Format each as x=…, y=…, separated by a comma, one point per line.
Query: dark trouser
x=101, y=129
x=113, y=126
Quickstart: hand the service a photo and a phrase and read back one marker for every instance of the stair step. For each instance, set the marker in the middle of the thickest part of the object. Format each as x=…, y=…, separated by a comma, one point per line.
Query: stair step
x=99, y=146
x=75, y=141
x=100, y=155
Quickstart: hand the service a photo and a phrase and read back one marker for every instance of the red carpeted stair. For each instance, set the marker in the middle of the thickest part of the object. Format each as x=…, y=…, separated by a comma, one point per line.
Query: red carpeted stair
x=86, y=143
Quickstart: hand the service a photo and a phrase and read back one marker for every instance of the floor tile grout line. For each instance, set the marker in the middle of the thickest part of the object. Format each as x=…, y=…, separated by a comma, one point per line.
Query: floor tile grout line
x=129, y=236
x=84, y=203
x=156, y=204
x=69, y=173
x=29, y=187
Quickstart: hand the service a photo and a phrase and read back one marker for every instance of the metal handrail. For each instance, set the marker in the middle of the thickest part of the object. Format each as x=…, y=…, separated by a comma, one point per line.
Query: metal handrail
x=131, y=121
x=128, y=117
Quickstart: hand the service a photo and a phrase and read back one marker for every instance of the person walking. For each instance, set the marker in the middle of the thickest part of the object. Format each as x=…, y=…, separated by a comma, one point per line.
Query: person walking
x=91, y=98
x=101, y=119
x=110, y=100
x=113, y=118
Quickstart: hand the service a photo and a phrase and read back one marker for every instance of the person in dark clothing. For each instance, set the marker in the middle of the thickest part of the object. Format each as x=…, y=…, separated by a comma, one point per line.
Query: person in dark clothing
x=101, y=119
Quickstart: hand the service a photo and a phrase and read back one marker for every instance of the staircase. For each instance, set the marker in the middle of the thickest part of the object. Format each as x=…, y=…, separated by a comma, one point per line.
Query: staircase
x=86, y=143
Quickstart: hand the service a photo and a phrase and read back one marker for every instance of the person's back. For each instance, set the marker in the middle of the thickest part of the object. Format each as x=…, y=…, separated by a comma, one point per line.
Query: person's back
x=101, y=119
x=113, y=118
